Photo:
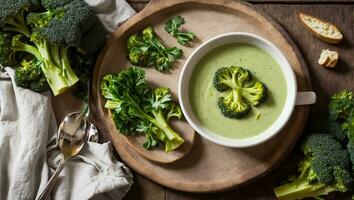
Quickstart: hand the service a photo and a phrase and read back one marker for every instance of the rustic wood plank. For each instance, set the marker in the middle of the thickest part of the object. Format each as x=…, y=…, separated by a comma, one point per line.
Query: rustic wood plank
x=324, y=82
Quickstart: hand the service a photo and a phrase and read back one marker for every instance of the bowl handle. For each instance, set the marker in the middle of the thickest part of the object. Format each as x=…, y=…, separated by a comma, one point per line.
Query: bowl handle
x=305, y=98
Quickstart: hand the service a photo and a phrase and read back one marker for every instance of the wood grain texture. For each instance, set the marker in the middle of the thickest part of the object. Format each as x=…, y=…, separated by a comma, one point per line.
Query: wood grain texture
x=140, y=4
x=324, y=82
x=243, y=164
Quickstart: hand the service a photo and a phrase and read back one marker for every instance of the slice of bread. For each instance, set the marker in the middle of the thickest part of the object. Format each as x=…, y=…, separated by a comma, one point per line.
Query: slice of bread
x=328, y=58
x=322, y=29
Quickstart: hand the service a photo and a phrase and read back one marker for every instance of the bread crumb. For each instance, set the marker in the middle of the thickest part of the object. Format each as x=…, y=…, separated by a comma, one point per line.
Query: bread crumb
x=328, y=58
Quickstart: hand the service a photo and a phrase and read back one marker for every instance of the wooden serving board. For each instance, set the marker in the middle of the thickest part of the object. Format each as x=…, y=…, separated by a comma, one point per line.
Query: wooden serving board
x=208, y=167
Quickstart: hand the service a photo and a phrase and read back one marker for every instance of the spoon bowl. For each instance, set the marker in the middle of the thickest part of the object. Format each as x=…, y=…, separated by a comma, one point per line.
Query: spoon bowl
x=72, y=136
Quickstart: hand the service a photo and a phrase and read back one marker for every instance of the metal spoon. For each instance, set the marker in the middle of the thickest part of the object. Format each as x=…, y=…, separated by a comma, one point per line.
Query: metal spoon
x=72, y=135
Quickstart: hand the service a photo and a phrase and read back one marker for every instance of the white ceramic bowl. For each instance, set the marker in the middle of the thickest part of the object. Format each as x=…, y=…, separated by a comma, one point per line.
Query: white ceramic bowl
x=228, y=38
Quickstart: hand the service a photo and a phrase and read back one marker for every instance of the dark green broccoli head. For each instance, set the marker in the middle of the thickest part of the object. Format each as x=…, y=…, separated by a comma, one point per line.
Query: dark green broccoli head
x=77, y=19
x=53, y=4
x=29, y=75
x=337, y=130
x=343, y=179
x=242, y=91
x=341, y=105
x=5, y=49
x=11, y=8
x=350, y=149
x=325, y=153
x=233, y=106
x=12, y=16
x=325, y=169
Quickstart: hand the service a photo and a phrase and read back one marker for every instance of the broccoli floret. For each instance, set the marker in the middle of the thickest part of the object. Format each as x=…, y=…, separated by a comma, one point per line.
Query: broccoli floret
x=242, y=91
x=254, y=94
x=350, y=149
x=337, y=130
x=325, y=169
x=145, y=49
x=77, y=19
x=30, y=75
x=174, y=112
x=341, y=105
x=12, y=16
x=233, y=106
x=5, y=49
x=138, y=108
x=53, y=4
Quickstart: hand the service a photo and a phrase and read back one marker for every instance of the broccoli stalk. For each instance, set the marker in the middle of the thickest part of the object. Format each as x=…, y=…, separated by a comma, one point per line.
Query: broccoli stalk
x=325, y=169
x=56, y=67
x=302, y=187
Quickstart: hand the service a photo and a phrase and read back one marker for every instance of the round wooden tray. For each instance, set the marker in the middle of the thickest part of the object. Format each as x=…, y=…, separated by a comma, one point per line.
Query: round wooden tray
x=208, y=167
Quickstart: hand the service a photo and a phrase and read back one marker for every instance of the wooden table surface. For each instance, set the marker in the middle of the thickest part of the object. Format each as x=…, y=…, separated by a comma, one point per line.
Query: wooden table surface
x=324, y=81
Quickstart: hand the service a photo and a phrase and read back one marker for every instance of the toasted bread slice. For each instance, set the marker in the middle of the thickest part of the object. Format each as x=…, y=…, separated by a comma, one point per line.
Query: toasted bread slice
x=328, y=58
x=322, y=29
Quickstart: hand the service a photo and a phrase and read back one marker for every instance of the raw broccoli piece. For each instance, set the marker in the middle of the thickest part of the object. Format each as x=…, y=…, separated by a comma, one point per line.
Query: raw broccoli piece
x=137, y=108
x=53, y=4
x=12, y=16
x=5, y=49
x=337, y=130
x=172, y=27
x=242, y=91
x=340, y=105
x=325, y=169
x=77, y=19
x=55, y=65
x=71, y=24
x=30, y=75
x=145, y=49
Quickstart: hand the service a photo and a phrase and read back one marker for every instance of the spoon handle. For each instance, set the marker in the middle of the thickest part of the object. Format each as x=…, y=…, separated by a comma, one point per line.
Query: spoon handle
x=49, y=186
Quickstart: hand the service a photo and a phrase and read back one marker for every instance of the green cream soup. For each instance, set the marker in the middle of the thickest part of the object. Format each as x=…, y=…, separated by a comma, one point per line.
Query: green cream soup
x=203, y=96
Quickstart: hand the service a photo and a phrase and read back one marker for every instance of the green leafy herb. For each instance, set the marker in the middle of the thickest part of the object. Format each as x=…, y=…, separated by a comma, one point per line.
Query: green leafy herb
x=137, y=108
x=146, y=50
x=173, y=26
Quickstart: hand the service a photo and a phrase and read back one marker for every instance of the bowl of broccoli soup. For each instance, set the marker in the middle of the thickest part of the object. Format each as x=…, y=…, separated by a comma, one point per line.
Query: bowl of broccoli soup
x=237, y=90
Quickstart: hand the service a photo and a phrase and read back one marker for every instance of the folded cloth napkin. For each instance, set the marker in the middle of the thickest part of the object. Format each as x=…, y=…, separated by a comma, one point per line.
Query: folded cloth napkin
x=28, y=128
x=111, y=12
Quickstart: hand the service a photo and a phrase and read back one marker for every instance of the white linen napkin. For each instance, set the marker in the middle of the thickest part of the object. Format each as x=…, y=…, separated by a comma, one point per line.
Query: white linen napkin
x=28, y=126
x=112, y=13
